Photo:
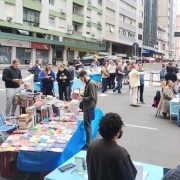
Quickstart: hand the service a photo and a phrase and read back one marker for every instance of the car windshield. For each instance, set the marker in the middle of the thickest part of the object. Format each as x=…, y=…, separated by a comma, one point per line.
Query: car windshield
x=88, y=57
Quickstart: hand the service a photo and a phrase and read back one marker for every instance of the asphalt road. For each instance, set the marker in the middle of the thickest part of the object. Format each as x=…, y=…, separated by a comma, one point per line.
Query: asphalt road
x=147, y=139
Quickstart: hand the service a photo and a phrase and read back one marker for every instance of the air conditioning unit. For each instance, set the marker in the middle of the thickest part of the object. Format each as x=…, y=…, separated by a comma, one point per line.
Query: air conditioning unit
x=93, y=34
x=60, y=38
x=70, y=28
x=47, y=36
x=89, y=1
x=99, y=23
x=36, y=24
x=63, y=11
x=9, y=19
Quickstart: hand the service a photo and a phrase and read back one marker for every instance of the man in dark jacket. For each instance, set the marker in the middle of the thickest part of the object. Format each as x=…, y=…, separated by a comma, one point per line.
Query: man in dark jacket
x=173, y=174
x=106, y=160
x=36, y=69
x=12, y=78
x=89, y=100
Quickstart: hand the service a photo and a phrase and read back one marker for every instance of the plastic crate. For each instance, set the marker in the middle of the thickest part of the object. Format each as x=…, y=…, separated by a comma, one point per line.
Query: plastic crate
x=8, y=164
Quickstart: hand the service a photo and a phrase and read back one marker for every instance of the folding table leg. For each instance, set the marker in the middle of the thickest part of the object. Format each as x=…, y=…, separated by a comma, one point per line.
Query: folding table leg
x=2, y=135
x=170, y=118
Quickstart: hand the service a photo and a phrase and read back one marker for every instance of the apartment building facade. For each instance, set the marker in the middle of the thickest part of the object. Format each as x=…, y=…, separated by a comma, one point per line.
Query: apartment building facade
x=123, y=26
x=150, y=28
x=49, y=29
x=161, y=41
x=167, y=19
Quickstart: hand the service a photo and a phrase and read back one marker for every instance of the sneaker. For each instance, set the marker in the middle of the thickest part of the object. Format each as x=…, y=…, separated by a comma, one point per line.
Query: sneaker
x=135, y=105
x=142, y=102
x=178, y=124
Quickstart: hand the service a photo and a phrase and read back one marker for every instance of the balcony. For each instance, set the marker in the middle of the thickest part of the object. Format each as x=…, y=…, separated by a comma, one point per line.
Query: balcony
x=77, y=33
x=131, y=2
x=79, y=18
x=130, y=40
x=127, y=13
x=127, y=26
x=35, y=5
x=79, y=2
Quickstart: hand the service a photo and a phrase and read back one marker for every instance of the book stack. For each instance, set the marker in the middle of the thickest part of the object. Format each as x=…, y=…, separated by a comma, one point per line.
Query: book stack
x=25, y=121
x=17, y=99
x=31, y=110
x=74, y=105
x=39, y=103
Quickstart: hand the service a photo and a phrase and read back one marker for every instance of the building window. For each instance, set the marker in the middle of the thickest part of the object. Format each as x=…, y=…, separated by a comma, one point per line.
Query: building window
x=141, y=2
x=163, y=47
x=140, y=14
x=51, y=2
x=100, y=2
x=110, y=12
x=51, y=21
x=139, y=36
x=140, y=25
x=30, y=17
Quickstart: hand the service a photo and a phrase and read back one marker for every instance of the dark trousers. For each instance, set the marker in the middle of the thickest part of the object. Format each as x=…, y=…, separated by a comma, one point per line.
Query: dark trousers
x=63, y=90
x=141, y=88
x=69, y=90
x=104, y=85
x=112, y=80
x=87, y=127
x=47, y=90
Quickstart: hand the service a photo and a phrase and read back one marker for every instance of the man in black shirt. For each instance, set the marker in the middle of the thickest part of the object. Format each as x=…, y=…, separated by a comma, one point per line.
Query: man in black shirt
x=13, y=78
x=106, y=160
x=78, y=64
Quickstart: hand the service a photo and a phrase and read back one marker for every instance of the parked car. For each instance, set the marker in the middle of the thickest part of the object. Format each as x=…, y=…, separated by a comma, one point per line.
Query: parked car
x=138, y=59
x=151, y=59
x=145, y=60
x=88, y=59
x=107, y=58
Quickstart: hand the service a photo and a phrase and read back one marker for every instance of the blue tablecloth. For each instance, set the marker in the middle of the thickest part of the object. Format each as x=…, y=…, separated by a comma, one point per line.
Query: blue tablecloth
x=77, y=83
x=174, y=106
x=154, y=172
x=95, y=77
x=48, y=161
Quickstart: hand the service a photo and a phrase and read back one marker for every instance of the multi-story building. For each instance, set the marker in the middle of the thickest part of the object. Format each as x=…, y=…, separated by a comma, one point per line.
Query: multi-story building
x=167, y=19
x=122, y=26
x=177, y=39
x=161, y=41
x=150, y=27
x=60, y=29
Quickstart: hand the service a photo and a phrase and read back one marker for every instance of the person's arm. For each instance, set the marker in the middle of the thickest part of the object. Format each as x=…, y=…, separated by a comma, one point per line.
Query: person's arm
x=41, y=75
x=166, y=94
x=92, y=65
x=139, y=73
x=104, y=71
x=126, y=169
x=32, y=70
x=68, y=76
x=57, y=77
x=92, y=93
x=54, y=77
x=119, y=72
x=5, y=76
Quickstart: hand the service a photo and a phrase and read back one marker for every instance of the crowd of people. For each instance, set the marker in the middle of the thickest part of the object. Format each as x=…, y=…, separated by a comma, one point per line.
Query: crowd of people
x=105, y=158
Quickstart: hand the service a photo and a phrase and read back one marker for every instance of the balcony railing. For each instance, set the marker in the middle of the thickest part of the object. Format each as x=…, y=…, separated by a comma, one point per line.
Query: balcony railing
x=78, y=13
x=37, y=1
x=77, y=33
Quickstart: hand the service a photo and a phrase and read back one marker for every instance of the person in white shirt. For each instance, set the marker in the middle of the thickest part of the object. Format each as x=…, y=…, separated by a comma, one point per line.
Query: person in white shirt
x=112, y=70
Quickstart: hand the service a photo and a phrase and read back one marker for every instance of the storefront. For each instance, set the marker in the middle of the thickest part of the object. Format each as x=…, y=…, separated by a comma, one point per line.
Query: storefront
x=42, y=51
x=23, y=54
x=5, y=55
x=14, y=48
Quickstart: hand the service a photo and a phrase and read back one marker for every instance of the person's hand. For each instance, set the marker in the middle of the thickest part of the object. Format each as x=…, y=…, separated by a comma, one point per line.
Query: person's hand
x=48, y=77
x=52, y=78
x=174, y=95
x=79, y=97
x=123, y=73
x=60, y=77
x=65, y=77
x=15, y=80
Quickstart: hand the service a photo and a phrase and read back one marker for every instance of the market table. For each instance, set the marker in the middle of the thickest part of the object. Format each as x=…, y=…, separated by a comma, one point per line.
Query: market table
x=48, y=161
x=174, y=107
x=154, y=172
x=76, y=83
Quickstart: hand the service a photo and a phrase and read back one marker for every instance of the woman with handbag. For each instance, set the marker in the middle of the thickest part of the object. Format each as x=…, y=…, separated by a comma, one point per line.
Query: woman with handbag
x=105, y=74
x=47, y=78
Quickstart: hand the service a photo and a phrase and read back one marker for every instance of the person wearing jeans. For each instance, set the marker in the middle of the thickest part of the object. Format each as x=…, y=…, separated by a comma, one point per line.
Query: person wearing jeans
x=89, y=100
x=119, y=77
x=105, y=74
x=141, y=87
x=12, y=78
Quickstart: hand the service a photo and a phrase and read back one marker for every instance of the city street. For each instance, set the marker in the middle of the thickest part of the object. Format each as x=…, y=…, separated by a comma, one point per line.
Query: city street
x=147, y=138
